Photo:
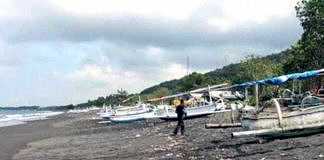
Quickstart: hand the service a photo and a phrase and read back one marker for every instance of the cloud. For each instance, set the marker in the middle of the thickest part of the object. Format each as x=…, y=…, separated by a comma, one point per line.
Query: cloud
x=250, y=22
x=95, y=80
x=76, y=50
x=8, y=60
x=165, y=9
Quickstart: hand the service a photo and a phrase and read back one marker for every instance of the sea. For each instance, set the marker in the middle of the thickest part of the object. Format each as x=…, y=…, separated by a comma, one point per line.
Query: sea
x=10, y=116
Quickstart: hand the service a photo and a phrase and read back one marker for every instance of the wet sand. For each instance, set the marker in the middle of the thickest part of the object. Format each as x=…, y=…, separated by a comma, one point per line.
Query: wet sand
x=78, y=136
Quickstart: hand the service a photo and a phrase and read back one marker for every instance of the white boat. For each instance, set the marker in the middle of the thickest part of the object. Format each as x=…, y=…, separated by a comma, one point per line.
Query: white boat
x=203, y=104
x=106, y=115
x=276, y=119
x=131, y=117
x=284, y=121
x=193, y=112
x=125, y=113
x=138, y=112
x=106, y=112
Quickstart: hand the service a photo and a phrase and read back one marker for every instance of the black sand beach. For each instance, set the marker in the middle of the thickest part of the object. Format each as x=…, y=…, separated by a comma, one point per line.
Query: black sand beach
x=79, y=136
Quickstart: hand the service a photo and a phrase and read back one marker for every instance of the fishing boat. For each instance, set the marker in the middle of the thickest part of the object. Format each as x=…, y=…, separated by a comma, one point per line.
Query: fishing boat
x=202, y=104
x=138, y=112
x=106, y=112
x=126, y=113
x=193, y=112
x=277, y=118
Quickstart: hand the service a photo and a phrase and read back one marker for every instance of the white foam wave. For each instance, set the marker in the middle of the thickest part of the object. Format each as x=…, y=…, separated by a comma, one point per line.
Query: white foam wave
x=16, y=119
x=83, y=110
x=78, y=111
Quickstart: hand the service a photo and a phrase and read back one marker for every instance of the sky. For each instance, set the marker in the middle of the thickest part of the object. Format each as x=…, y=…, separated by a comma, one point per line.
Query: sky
x=56, y=52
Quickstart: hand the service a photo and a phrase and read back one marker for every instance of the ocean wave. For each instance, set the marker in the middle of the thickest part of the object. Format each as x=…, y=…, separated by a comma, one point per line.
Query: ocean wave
x=16, y=119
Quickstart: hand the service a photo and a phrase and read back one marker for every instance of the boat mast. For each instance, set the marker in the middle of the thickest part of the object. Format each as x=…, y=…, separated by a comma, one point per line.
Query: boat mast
x=246, y=94
x=139, y=100
x=210, y=98
x=299, y=87
x=257, y=96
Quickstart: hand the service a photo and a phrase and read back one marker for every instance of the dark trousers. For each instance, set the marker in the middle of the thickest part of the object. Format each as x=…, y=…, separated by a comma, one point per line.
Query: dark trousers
x=179, y=125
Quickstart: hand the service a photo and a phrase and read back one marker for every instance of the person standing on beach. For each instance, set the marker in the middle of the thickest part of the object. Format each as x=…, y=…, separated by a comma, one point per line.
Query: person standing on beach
x=180, y=110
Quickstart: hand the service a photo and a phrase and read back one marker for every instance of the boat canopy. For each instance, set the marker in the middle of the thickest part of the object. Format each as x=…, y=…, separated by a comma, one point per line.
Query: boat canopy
x=282, y=79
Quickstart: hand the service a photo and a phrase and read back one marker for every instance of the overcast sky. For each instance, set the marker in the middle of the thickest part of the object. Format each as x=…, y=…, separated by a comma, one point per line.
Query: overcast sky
x=55, y=52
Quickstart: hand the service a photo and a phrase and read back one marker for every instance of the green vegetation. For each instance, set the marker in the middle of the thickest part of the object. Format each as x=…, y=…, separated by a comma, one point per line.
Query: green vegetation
x=306, y=54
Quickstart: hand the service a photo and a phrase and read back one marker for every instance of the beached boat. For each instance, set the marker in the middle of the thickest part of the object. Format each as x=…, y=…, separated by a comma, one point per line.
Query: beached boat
x=119, y=111
x=126, y=113
x=194, y=112
x=138, y=112
x=106, y=115
x=277, y=119
x=131, y=117
x=106, y=112
x=284, y=121
x=203, y=103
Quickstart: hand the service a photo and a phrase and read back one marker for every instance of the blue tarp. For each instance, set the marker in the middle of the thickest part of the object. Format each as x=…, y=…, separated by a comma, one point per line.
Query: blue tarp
x=282, y=79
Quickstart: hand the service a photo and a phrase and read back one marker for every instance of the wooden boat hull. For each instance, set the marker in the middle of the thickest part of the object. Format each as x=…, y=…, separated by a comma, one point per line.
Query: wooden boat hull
x=130, y=118
x=283, y=132
x=307, y=116
x=126, y=113
x=298, y=122
x=106, y=115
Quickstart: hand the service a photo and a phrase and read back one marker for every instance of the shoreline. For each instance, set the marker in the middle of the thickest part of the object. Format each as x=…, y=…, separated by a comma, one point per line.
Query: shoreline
x=16, y=137
x=79, y=136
